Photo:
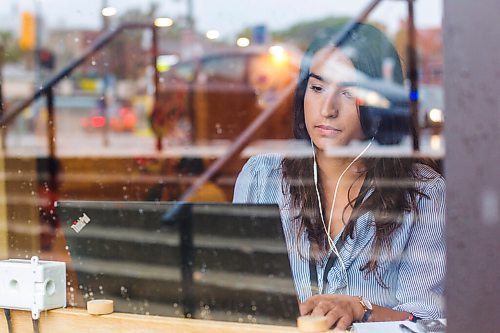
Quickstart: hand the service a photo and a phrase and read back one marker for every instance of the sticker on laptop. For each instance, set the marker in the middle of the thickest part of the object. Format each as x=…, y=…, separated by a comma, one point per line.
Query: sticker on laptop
x=79, y=224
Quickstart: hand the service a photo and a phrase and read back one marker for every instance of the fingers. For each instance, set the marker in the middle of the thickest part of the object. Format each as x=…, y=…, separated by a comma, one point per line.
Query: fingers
x=344, y=322
x=336, y=311
x=306, y=307
x=333, y=315
x=322, y=308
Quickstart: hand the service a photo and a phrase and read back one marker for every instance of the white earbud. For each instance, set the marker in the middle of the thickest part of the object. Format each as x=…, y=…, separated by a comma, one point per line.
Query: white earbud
x=328, y=229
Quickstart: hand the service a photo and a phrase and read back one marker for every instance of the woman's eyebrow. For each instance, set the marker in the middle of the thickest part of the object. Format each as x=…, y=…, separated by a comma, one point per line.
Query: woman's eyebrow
x=317, y=77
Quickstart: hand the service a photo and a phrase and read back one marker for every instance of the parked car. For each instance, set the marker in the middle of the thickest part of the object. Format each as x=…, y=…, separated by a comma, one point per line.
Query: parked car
x=122, y=119
x=216, y=96
x=432, y=107
x=385, y=108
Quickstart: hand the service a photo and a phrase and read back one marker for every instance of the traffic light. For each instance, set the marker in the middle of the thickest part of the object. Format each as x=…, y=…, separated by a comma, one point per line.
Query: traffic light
x=27, y=39
x=46, y=58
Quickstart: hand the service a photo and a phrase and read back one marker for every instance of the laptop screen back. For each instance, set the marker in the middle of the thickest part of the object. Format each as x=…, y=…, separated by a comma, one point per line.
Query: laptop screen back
x=211, y=261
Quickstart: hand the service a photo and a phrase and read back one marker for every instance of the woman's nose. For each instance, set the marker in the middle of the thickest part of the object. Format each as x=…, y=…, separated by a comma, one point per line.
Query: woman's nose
x=331, y=104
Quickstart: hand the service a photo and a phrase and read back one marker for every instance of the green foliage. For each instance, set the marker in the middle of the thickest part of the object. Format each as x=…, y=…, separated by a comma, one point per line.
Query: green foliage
x=11, y=50
x=303, y=33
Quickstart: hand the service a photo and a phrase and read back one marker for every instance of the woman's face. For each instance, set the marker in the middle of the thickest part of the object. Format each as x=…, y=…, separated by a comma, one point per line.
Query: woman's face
x=330, y=110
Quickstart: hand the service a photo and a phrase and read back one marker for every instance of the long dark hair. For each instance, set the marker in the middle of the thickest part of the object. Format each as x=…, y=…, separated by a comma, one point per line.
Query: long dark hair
x=392, y=181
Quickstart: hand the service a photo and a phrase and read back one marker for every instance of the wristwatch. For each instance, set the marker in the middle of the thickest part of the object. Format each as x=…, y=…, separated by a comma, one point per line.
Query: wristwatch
x=367, y=307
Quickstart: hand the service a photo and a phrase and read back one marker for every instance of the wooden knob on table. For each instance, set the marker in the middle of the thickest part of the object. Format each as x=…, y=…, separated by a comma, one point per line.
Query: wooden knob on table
x=312, y=324
x=100, y=306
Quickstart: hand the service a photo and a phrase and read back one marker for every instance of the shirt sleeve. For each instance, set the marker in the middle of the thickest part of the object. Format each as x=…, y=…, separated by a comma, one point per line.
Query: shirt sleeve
x=422, y=269
x=246, y=189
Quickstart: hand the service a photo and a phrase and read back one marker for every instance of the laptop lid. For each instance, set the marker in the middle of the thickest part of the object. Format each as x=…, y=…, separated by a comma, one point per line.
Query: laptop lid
x=217, y=261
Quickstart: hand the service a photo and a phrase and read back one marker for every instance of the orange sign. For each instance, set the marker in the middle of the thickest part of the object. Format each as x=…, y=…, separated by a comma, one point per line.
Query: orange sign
x=28, y=31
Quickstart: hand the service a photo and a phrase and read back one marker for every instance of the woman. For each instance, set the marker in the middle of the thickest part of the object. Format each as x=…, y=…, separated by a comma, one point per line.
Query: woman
x=366, y=235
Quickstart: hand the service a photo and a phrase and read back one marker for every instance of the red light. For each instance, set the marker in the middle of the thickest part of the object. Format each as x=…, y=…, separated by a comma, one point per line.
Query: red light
x=98, y=121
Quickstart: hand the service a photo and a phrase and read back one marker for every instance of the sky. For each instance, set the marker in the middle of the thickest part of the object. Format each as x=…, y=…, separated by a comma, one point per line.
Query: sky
x=227, y=16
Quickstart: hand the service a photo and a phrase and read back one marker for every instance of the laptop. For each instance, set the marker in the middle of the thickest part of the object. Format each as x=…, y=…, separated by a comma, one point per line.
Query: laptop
x=217, y=261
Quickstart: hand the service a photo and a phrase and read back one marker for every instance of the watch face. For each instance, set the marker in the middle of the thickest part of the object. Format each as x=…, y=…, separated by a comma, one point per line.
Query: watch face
x=367, y=304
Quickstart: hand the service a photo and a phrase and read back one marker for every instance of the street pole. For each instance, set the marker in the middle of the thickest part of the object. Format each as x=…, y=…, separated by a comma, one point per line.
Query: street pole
x=413, y=77
x=105, y=19
x=3, y=130
x=1, y=80
x=37, y=105
x=104, y=97
x=190, y=15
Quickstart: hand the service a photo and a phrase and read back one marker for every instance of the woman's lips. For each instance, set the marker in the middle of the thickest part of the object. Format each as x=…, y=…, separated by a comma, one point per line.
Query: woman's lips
x=325, y=130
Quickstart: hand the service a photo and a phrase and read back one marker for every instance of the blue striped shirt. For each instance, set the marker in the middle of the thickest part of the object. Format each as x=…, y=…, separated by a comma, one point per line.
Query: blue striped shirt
x=412, y=268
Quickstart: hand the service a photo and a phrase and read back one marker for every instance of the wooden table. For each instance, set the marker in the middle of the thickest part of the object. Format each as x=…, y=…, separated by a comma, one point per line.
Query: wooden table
x=72, y=320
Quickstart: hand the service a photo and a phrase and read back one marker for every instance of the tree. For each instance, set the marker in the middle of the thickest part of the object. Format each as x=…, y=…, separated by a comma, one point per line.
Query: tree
x=128, y=57
x=303, y=33
x=12, y=52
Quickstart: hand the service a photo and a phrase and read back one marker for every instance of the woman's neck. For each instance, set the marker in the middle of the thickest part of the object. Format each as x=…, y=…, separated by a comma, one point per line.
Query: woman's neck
x=331, y=168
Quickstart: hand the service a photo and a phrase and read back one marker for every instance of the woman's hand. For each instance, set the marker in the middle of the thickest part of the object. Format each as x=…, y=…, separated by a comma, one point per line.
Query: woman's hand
x=340, y=310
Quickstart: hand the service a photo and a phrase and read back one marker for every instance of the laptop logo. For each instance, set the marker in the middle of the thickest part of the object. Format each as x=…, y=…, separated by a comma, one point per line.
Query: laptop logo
x=79, y=224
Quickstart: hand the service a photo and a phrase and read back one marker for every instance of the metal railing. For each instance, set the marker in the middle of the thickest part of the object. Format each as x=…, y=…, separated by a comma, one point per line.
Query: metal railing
x=47, y=89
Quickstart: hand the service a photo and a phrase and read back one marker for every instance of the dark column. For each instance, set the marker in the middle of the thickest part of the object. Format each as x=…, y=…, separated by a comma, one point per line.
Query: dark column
x=472, y=166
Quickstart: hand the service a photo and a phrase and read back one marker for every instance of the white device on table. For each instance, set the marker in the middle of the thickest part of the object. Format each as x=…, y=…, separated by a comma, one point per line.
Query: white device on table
x=32, y=285
x=431, y=326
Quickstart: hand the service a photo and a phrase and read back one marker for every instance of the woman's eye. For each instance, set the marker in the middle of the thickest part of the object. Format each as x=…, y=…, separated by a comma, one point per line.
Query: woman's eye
x=347, y=93
x=316, y=88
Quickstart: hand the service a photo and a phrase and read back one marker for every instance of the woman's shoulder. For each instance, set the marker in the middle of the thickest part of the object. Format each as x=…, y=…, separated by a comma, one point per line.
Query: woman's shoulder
x=264, y=163
x=259, y=180
x=428, y=179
